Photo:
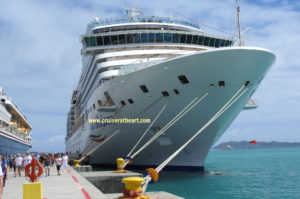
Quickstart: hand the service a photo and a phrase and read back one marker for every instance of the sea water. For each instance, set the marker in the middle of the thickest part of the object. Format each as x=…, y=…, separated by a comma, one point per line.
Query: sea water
x=245, y=173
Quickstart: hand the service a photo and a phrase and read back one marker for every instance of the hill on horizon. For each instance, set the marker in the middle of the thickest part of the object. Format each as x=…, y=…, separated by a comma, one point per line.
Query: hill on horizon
x=246, y=145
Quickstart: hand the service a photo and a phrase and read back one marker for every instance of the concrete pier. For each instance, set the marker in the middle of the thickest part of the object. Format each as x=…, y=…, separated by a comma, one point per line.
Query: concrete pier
x=74, y=185
x=107, y=181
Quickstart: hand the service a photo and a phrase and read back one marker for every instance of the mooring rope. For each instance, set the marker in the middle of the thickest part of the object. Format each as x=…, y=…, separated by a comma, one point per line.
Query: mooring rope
x=146, y=131
x=190, y=106
x=216, y=116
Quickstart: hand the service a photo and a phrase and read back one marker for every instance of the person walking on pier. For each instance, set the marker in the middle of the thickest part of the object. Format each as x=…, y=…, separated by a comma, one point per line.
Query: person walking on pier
x=47, y=162
x=4, y=170
x=58, y=162
x=1, y=179
x=27, y=159
x=65, y=160
x=18, y=163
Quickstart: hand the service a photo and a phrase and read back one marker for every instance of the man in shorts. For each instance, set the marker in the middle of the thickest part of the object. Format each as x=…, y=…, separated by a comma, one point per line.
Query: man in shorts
x=18, y=162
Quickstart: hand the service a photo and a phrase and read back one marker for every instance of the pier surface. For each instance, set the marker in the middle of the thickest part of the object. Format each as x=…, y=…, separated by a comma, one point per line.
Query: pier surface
x=73, y=185
x=70, y=185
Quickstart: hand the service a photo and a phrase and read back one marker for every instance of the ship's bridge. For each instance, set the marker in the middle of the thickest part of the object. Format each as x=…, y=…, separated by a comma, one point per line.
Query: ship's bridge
x=153, y=20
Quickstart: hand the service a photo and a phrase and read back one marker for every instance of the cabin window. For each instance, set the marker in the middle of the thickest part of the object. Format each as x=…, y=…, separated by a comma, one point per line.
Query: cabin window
x=165, y=93
x=123, y=103
x=221, y=83
x=94, y=106
x=130, y=101
x=144, y=88
x=176, y=91
x=183, y=79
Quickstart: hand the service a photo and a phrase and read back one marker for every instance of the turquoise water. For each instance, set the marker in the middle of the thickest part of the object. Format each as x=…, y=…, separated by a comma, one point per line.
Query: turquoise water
x=250, y=173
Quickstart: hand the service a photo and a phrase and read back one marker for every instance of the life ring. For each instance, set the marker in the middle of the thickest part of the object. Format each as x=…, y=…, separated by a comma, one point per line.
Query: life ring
x=32, y=175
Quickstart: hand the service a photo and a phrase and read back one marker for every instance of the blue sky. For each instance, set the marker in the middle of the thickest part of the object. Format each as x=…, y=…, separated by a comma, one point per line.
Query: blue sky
x=40, y=59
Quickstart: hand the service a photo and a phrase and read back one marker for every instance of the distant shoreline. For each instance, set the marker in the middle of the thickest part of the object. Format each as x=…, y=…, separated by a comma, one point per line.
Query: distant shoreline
x=258, y=145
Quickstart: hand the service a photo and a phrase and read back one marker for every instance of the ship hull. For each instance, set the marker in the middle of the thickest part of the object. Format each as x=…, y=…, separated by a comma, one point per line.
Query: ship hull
x=204, y=70
x=12, y=145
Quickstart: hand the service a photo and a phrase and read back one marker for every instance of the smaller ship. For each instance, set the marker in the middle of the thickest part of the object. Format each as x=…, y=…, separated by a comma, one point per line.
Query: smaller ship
x=227, y=147
x=15, y=136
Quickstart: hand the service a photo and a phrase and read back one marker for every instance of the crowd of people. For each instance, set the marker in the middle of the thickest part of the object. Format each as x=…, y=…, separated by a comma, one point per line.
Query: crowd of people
x=17, y=164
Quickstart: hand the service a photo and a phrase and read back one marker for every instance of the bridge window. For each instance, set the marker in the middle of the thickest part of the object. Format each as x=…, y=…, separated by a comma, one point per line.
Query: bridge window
x=182, y=38
x=106, y=40
x=129, y=38
x=99, y=41
x=137, y=38
x=175, y=38
x=114, y=39
x=189, y=39
x=167, y=38
x=122, y=39
x=200, y=40
x=206, y=41
x=212, y=42
x=87, y=41
x=159, y=38
x=156, y=38
x=222, y=42
x=195, y=39
x=93, y=41
x=144, y=38
x=151, y=37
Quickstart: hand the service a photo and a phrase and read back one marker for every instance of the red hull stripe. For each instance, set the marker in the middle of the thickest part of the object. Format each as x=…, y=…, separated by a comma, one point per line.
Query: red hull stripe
x=98, y=140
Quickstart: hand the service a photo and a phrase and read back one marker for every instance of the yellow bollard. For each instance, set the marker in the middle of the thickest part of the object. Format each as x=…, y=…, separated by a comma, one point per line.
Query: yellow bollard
x=120, y=163
x=76, y=163
x=133, y=188
x=33, y=190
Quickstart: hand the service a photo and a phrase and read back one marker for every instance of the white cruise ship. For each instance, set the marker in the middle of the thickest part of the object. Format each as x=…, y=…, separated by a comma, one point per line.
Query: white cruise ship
x=135, y=66
x=15, y=136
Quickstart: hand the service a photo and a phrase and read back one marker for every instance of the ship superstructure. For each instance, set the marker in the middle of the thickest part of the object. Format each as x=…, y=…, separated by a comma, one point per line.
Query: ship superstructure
x=15, y=136
x=135, y=65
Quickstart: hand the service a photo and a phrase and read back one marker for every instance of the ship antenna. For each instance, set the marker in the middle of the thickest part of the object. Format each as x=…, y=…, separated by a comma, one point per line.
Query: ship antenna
x=238, y=22
x=132, y=12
